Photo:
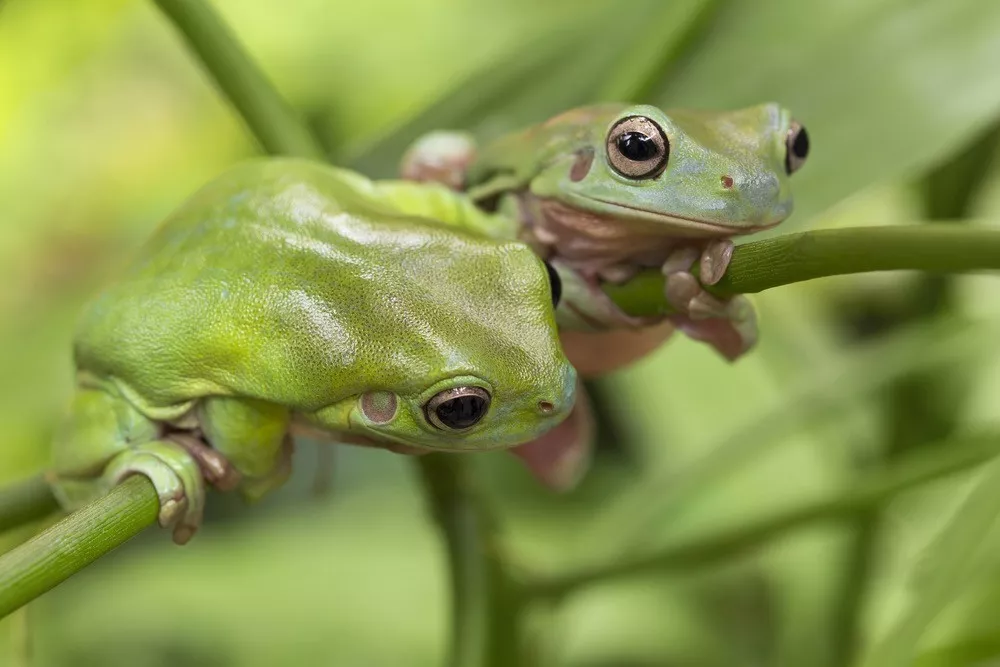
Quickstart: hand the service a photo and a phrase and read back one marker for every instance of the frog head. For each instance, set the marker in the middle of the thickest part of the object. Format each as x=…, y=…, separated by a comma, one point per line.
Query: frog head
x=470, y=357
x=691, y=173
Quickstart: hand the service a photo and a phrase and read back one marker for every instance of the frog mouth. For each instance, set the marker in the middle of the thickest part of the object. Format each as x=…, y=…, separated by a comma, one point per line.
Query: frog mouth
x=693, y=226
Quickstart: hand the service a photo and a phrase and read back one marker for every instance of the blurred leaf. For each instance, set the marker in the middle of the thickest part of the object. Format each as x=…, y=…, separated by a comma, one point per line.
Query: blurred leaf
x=956, y=557
x=887, y=88
x=577, y=63
x=974, y=652
x=660, y=36
x=950, y=188
x=634, y=517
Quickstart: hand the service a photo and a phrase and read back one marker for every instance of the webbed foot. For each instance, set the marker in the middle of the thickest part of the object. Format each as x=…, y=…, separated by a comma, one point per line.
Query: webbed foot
x=177, y=478
x=728, y=325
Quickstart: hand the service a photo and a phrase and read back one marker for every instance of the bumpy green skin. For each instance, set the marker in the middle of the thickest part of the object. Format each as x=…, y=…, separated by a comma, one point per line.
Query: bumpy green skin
x=725, y=176
x=289, y=294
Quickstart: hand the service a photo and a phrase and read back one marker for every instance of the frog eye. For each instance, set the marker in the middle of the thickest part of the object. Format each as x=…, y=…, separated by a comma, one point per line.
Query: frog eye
x=796, y=147
x=637, y=148
x=457, y=409
x=555, y=284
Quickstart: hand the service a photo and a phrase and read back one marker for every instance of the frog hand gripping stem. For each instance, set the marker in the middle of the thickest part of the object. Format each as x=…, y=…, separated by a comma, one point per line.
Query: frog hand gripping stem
x=605, y=191
x=288, y=296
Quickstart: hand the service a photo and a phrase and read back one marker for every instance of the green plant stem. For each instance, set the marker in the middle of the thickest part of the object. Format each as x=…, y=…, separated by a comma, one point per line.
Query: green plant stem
x=657, y=500
x=64, y=549
x=25, y=501
x=792, y=258
x=460, y=518
x=728, y=543
x=269, y=117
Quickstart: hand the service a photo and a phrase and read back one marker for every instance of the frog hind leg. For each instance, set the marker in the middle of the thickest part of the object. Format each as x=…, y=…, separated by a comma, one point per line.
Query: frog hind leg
x=103, y=440
x=253, y=436
x=728, y=325
x=440, y=157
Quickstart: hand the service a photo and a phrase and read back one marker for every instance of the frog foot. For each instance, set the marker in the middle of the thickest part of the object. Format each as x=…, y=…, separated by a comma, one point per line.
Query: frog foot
x=215, y=468
x=440, y=157
x=254, y=488
x=176, y=477
x=728, y=325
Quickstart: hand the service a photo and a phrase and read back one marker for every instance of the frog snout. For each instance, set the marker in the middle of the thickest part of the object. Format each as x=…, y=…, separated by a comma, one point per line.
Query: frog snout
x=557, y=403
x=750, y=197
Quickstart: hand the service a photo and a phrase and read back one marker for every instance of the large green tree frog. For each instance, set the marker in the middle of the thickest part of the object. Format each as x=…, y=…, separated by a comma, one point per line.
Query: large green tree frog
x=607, y=190
x=288, y=296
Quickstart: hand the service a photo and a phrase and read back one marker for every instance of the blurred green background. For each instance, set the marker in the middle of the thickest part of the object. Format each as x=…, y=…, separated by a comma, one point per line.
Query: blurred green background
x=107, y=123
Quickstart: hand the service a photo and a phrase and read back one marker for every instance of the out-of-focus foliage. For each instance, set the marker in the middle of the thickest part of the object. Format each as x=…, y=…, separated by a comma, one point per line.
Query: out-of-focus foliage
x=106, y=124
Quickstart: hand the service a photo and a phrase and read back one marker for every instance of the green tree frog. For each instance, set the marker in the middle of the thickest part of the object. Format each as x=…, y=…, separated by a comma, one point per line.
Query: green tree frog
x=292, y=297
x=607, y=190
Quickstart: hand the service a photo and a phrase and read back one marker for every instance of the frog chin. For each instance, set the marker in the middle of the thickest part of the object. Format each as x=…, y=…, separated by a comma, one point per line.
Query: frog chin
x=367, y=436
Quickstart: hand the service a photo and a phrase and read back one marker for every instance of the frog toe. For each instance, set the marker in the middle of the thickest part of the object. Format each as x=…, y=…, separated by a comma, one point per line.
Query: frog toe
x=730, y=327
x=715, y=260
x=705, y=306
x=680, y=289
x=215, y=468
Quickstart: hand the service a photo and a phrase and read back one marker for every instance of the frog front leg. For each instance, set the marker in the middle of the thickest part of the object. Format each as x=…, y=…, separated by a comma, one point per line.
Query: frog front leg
x=253, y=437
x=728, y=325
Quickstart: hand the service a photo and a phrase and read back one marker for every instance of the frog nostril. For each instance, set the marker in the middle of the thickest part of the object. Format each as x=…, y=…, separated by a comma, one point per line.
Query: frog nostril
x=546, y=406
x=727, y=182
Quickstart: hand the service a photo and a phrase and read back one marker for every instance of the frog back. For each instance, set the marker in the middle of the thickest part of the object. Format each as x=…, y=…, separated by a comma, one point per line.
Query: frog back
x=513, y=160
x=285, y=281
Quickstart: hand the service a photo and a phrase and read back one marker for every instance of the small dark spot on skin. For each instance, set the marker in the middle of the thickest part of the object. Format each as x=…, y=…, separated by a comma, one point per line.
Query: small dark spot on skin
x=581, y=166
x=727, y=182
x=545, y=406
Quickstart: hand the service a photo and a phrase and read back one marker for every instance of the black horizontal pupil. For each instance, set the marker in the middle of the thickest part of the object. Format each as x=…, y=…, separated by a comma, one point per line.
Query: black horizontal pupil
x=636, y=146
x=800, y=145
x=462, y=411
x=555, y=283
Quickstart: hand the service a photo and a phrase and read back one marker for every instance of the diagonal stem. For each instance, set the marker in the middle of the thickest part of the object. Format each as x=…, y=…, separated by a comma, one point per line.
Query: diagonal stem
x=64, y=549
x=268, y=116
x=729, y=543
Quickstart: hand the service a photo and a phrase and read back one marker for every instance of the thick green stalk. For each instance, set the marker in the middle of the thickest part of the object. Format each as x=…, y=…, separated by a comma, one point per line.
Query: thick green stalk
x=269, y=117
x=447, y=487
x=25, y=501
x=728, y=543
x=792, y=258
x=64, y=549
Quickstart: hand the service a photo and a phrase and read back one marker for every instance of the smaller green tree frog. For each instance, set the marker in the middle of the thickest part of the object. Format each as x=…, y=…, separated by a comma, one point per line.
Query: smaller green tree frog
x=607, y=190
x=291, y=297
